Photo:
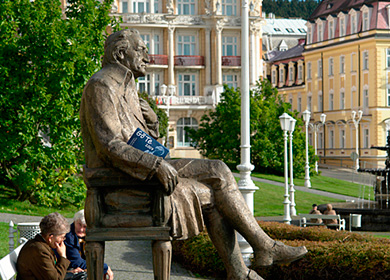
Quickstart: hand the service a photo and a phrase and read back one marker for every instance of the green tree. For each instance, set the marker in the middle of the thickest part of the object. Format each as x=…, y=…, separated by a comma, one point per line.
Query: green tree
x=46, y=58
x=218, y=135
x=290, y=9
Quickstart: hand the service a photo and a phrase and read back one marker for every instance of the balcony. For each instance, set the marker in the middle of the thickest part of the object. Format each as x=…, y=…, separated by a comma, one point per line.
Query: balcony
x=189, y=60
x=184, y=100
x=231, y=61
x=158, y=59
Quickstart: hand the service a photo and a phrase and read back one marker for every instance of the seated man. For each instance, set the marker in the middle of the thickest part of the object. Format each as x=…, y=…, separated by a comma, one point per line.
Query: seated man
x=314, y=210
x=330, y=223
x=200, y=191
x=74, y=243
x=37, y=259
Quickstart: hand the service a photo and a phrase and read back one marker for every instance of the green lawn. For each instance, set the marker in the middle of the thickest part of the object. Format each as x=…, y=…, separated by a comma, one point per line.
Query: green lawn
x=325, y=184
x=269, y=199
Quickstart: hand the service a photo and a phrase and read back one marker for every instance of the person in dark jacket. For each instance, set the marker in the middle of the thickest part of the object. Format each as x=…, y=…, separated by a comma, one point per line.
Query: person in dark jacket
x=37, y=259
x=75, y=245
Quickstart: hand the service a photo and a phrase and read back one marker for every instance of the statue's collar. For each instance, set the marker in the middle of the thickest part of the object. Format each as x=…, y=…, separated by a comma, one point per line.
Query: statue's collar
x=120, y=73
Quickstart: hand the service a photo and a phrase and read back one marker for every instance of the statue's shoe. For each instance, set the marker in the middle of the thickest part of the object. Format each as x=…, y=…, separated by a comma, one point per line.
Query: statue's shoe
x=253, y=275
x=280, y=254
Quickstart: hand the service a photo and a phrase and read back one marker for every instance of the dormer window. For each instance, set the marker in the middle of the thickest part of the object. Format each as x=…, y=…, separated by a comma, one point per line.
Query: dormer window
x=342, y=25
x=290, y=30
x=331, y=25
x=309, y=33
x=301, y=30
x=320, y=33
x=366, y=13
x=353, y=20
x=329, y=6
x=277, y=29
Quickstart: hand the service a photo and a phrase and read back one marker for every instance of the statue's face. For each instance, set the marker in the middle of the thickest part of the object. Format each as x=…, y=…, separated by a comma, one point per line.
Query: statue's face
x=136, y=56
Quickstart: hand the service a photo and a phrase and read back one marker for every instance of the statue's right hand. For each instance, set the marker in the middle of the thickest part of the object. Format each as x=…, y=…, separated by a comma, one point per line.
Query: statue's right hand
x=167, y=175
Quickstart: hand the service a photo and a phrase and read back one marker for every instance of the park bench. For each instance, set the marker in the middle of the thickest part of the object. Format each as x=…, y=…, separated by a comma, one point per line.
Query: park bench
x=305, y=220
x=119, y=207
x=8, y=263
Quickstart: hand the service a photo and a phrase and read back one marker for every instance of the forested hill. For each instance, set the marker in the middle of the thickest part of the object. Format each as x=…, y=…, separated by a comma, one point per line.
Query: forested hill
x=290, y=8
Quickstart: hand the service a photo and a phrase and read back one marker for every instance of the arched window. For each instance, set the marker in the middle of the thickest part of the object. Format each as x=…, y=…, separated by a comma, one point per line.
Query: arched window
x=183, y=140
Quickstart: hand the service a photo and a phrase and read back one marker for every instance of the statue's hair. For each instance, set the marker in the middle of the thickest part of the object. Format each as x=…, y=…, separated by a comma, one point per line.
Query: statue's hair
x=79, y=216
x=116, y=42
x=54, y=223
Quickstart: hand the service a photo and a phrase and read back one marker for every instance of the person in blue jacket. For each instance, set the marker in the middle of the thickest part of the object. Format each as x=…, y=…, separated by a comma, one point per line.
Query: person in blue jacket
x=75, y=245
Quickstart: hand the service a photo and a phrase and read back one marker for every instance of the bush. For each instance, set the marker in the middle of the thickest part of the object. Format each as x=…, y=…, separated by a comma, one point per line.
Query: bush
x=332, y=254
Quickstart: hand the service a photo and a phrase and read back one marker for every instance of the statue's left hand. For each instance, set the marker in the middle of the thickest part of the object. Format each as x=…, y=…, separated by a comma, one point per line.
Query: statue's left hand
x=167, y=175
x=149, y=115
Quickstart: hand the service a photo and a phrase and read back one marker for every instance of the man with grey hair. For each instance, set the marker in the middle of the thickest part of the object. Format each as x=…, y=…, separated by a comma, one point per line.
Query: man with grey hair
x=200, y=191
x=75, y=246
x=37, y=259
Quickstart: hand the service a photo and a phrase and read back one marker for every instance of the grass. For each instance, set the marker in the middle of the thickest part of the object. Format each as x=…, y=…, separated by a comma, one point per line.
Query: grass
x=323, y=183
x=268, y=200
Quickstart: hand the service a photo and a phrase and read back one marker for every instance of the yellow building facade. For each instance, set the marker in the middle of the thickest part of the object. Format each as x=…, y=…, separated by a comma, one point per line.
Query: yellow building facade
x=194, y=49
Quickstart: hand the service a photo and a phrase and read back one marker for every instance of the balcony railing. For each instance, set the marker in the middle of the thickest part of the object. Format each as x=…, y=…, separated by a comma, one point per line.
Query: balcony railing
x=158, y=59
x=184, y=100
x=189, y=60
x=231, y=61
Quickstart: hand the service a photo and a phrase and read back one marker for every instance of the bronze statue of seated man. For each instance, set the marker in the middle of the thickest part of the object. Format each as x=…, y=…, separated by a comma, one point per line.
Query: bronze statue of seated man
x=200, y=191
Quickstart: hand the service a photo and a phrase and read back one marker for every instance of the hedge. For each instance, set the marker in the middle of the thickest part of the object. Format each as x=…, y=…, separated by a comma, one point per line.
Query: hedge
x=331, y=255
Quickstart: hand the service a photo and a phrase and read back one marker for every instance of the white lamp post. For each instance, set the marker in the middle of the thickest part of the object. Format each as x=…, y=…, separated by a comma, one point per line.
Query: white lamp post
x=356, y=120
x=171, y=92
x=245, y=184
x=285, y=124
x=291, y=128
x=306, y=118
x=316, y=128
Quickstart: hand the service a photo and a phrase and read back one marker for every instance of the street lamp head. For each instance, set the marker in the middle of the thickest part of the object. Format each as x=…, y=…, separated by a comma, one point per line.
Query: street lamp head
x=292, y=125
x=306, y=116
x=285, y=121
x=163, y=88
x=171, y=90
x=323, y=118
x=360, y=114
x=353, y=115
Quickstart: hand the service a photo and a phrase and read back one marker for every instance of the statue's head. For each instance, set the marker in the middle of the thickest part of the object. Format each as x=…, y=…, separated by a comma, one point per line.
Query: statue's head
x=127, y=48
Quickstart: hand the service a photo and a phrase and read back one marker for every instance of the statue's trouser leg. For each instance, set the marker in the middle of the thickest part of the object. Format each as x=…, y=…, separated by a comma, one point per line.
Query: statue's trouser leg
x=224, y=239
x=95, y=259
x=162, y=257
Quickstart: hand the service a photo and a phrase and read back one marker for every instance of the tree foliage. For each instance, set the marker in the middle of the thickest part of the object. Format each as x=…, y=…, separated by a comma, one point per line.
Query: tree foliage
x=218, y=134
x=46, y=58
x=290, y=8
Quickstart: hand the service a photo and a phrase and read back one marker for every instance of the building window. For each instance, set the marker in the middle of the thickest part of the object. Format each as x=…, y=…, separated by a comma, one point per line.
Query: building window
x=342, y=138
x=300, y=72
x=366, y=21
x=388, y=96
x=281, y=75
x=156, y=6
x=365, y=60
x=186, y=7
x=186, y=45
x=331, y=138
x=229, y=7
x=230, y=80
x=143, y=84
x=273, y=77
x=229, y=46
x=299, y=104
x=309, y=70
x=291, y=74
x=157, y=45
x=353, y=24
x=320, y=140
x=387, y=58
x=342, y=100
x=342, y=64
x=320, y=34
x=309, y=34
x=141, y=6
x=331, y=101
x=342, y=26
x=183, y=139
x=309, y=103
x=366, y=138
x=365, y=98
x=146, y=39
x=331, y=29
x=320, y=102
x=319, y=64
x=187, y=85
x=124, y=7
x=157, y=83
x=331, y=66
